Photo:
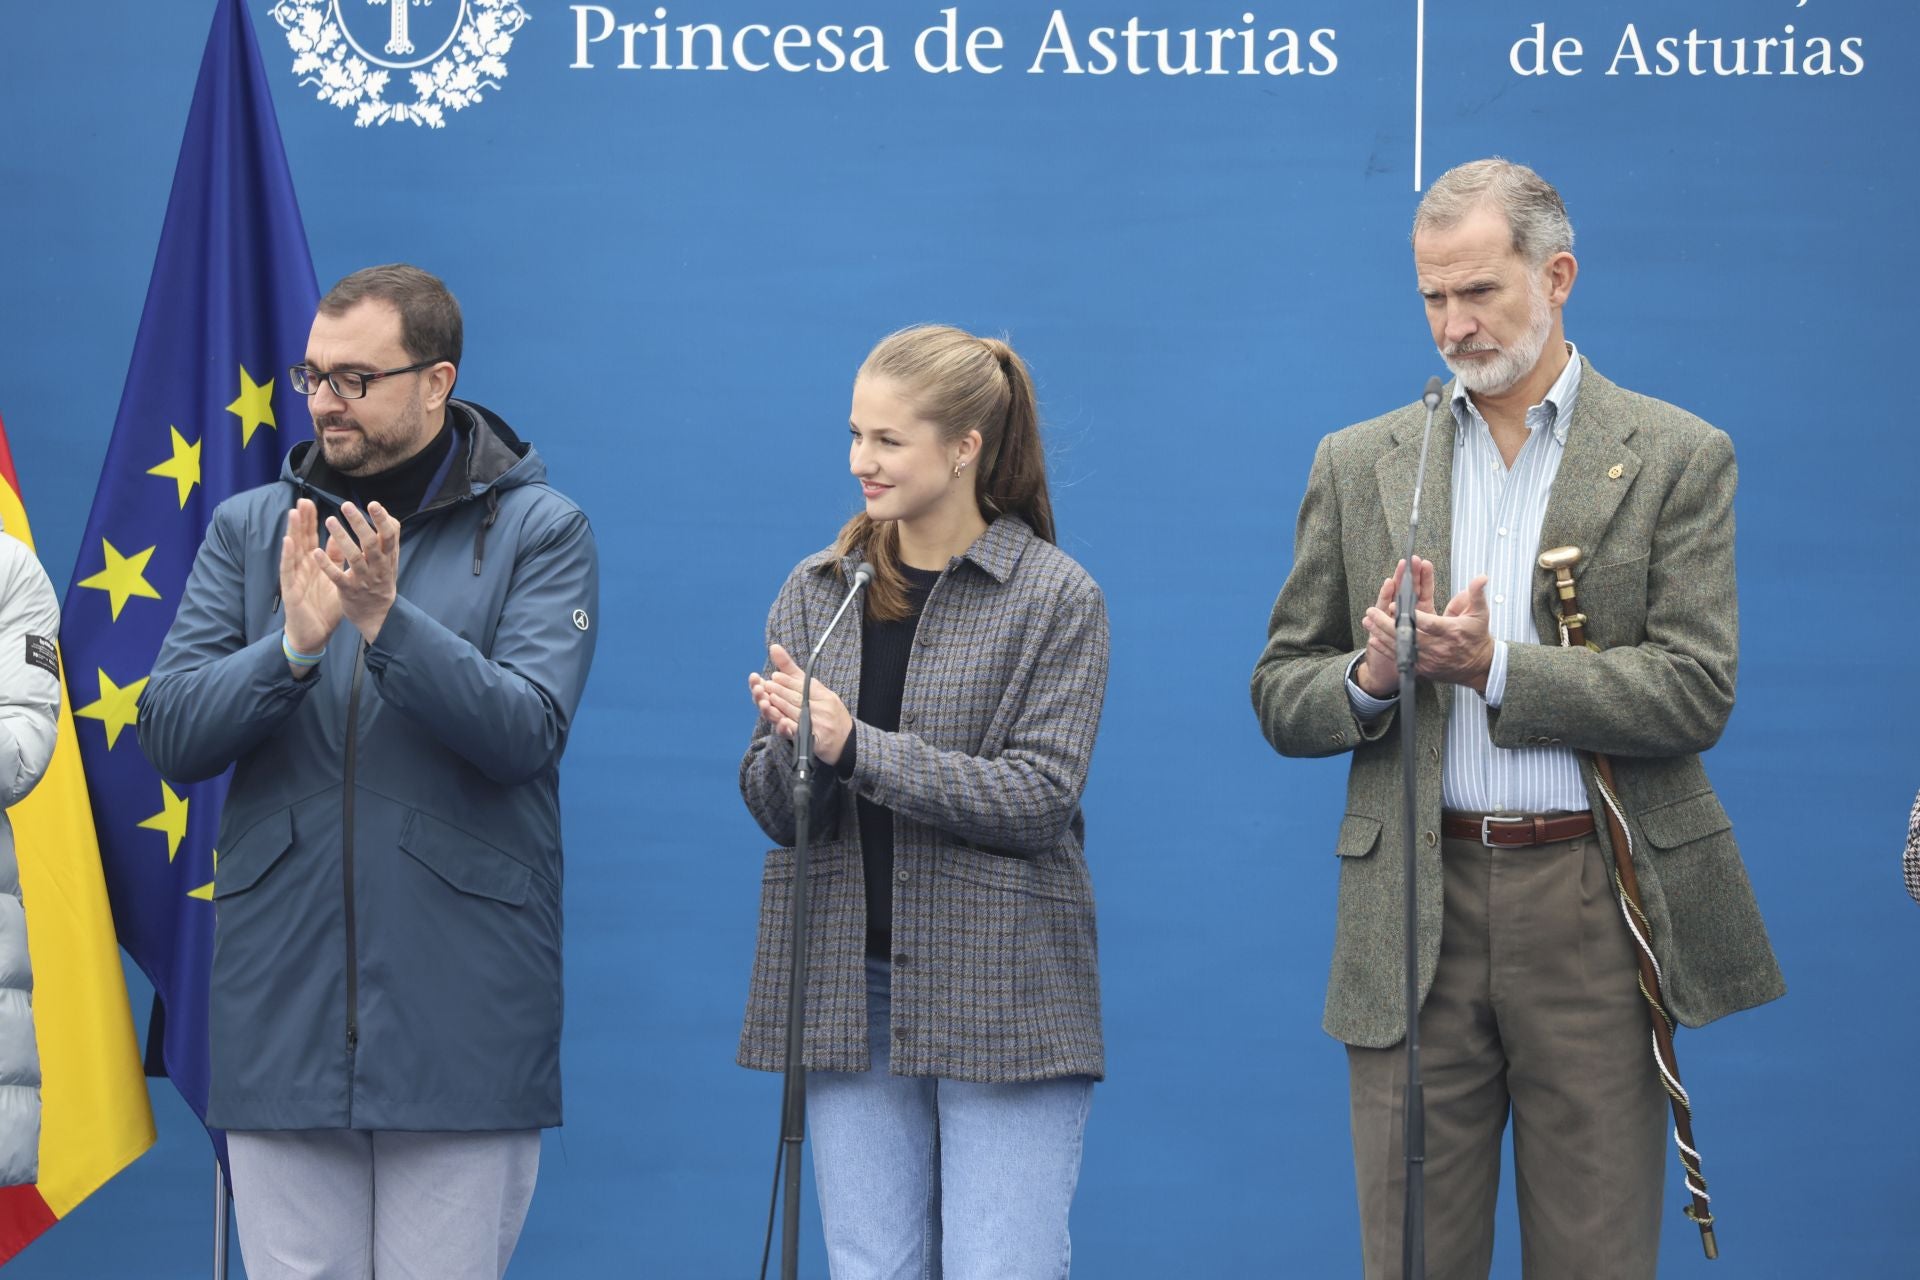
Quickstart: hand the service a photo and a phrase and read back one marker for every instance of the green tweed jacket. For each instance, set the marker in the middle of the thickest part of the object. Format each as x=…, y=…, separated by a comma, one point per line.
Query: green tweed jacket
x=1645, y=490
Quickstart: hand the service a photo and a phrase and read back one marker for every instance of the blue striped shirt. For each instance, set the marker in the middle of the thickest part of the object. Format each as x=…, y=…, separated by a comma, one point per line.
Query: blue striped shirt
x=1497, y=515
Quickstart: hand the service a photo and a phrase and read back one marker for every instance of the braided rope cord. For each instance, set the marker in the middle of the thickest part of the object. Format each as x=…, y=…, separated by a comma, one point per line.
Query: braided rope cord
x=1699, y=1209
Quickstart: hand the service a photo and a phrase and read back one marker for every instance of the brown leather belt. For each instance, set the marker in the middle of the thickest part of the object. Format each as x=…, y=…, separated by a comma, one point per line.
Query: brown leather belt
x=1515, y=830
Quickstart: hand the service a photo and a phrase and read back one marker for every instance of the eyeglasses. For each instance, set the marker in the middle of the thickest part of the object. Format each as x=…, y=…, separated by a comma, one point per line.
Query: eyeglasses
x=348, y=384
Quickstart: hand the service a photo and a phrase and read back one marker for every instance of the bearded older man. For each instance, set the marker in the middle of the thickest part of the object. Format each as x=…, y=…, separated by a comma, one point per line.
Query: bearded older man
x=1529, y=1002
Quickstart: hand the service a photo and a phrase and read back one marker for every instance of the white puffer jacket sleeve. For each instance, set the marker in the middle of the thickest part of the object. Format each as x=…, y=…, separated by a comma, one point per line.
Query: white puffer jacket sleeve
x=29, y=708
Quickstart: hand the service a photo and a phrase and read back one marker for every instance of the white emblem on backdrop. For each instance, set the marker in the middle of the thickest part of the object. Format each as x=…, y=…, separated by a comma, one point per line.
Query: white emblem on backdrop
x=450, y=75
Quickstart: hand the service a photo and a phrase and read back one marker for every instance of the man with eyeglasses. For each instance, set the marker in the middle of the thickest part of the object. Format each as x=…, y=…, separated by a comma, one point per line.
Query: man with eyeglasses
x=394, y=696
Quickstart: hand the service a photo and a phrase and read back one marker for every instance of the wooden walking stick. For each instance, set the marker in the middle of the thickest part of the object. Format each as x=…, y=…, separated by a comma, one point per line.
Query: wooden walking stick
x=1573, y=634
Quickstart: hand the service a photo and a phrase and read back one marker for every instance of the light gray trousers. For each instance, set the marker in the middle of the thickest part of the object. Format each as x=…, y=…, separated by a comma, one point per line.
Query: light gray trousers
x=345, y=1204
x=1536, y=1012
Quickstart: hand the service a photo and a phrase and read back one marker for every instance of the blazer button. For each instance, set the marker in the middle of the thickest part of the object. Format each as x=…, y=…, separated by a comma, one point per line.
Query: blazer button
x=902, y=960
x=1432, y=839
x=902, y=876
x=907, y=718
x=1433, y=753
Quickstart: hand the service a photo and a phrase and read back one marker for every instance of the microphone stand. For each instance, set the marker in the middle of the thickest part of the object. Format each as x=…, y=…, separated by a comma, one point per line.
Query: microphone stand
x=1413, y=1252
x=793, y=1103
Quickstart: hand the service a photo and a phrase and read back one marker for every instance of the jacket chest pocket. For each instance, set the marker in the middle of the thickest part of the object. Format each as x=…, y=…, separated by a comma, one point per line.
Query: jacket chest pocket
x=1613, y=595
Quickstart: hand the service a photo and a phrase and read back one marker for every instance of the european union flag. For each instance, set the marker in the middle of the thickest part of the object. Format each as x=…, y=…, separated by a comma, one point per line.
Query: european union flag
x=206, y=412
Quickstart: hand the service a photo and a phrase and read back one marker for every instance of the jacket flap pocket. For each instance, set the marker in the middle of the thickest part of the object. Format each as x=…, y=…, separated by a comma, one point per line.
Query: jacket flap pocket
x=1012, y=873
x=1672, y=825
x=1358, y=835
x=466, y=862
x=823, y=860
x=252, y=854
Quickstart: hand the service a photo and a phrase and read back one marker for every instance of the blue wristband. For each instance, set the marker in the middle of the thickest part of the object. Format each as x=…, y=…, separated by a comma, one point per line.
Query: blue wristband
x=298, y=658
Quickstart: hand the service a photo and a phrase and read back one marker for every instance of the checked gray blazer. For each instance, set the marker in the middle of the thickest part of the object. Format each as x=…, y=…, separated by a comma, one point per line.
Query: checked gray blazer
x=995, y=967
x=1645, y=490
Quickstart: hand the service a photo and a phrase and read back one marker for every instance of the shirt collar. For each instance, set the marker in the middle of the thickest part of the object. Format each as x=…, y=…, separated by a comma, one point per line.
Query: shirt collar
x=998, y=549
x=994, y=552
x=1556, y=408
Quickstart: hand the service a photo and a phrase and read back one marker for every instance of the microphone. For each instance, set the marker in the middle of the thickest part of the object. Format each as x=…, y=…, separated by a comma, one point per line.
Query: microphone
x=793, y=1106
x=1413, y=1242
x=803, y=736
x=1403, y=624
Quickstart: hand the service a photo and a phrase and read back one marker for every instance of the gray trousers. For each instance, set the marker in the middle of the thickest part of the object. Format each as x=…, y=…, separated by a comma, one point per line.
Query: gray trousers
x=346, y=1204
x=1535, y=1012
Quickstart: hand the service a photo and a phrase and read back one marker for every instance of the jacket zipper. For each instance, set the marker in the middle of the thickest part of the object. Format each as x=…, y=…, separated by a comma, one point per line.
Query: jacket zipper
x=346, y=870
x=346, y=836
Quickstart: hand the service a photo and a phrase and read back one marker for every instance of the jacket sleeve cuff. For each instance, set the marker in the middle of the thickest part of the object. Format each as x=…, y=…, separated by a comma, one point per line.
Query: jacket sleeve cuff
x=1497, y=675
x=848, y=754
x=276, y=675
x=1365, y=706
x=396, y=634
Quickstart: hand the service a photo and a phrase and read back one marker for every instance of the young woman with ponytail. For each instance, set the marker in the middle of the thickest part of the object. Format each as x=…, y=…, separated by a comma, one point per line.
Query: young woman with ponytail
x=953, y=1003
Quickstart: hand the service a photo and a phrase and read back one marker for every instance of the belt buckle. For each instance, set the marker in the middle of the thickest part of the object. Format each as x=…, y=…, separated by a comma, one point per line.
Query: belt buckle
x=1486, y=827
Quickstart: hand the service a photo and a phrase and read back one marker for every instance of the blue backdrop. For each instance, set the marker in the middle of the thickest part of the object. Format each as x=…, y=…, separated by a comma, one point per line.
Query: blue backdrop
x=669, y=278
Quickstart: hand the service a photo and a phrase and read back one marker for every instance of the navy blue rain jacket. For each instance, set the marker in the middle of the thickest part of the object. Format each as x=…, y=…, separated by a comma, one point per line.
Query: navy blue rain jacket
x=387, y=946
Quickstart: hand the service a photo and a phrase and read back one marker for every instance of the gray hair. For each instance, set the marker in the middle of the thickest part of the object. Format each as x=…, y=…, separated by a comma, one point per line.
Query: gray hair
x=1533, y=209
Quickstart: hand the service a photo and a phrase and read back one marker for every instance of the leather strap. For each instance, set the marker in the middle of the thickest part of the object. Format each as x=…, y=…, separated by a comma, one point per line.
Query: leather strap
x=1515, y=830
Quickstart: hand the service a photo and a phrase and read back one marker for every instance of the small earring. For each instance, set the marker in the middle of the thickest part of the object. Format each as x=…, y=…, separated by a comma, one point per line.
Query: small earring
x=958, y=467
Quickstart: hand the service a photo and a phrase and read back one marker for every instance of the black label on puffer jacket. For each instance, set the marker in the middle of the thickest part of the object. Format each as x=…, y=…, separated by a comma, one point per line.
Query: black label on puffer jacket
x=43, y=653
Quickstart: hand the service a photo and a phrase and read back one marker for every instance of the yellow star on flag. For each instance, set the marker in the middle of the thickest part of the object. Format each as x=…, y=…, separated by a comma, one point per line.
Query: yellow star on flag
x=205, y=891
x=171, y=819
x=253, y=406
x=183, y=468
x=123, y=577
x=115, y=707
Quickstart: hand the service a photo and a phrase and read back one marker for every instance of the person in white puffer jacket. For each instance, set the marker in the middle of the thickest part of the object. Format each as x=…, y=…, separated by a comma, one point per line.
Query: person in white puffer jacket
x=29, y=709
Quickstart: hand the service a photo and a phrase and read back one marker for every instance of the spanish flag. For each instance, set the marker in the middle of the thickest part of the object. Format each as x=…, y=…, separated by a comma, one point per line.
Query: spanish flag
x=94, y=1114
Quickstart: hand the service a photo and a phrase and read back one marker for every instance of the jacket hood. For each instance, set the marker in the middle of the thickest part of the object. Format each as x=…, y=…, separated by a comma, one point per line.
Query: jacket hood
x=492, y=457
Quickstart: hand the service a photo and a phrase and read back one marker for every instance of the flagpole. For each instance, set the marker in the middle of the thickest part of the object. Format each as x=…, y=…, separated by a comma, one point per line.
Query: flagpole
x=222, y=1215
x=232, y=254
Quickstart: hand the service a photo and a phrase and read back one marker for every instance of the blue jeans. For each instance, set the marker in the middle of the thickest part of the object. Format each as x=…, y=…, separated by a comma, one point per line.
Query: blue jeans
x=926, y=1179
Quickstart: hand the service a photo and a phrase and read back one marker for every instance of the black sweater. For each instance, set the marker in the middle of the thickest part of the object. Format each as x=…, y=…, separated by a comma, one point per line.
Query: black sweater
x=405, y=487
x=885, y=648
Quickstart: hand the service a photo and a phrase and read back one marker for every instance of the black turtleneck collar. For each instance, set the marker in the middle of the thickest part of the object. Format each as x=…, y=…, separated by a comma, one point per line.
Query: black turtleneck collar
x=404, y=489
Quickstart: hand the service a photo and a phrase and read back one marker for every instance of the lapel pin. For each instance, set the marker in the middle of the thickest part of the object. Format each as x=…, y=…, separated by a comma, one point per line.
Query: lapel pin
x=1616, y=471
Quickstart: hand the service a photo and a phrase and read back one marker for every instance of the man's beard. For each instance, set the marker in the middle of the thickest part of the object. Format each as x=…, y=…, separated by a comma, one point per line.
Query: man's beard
x=363, y=454
x=1504, y=371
